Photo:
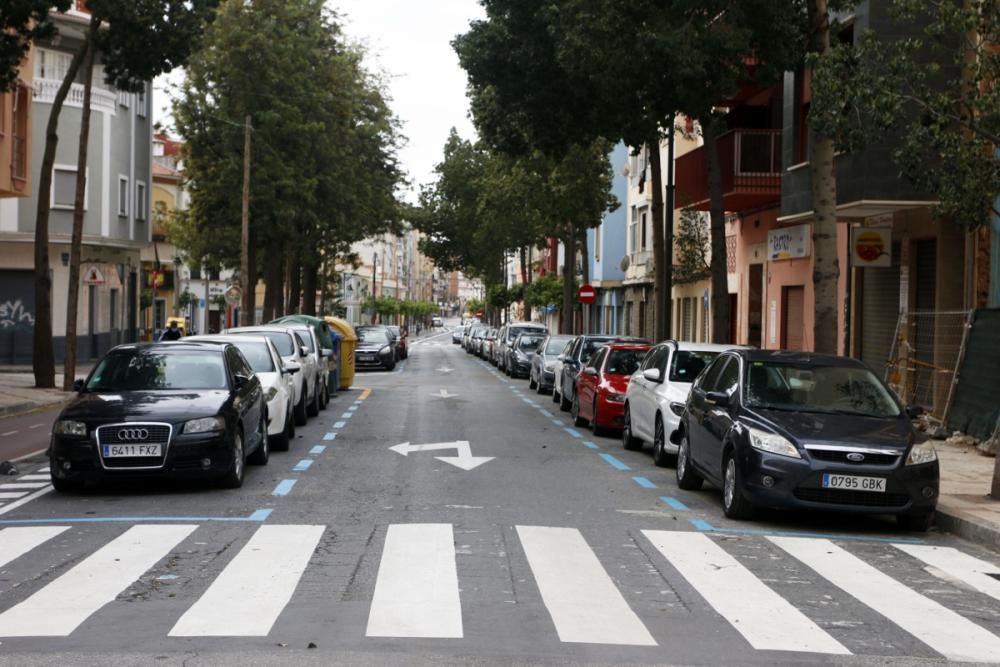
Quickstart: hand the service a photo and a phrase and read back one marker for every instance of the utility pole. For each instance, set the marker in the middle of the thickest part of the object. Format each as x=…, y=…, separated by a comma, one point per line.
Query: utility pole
x=247, y=305
x=668, y=251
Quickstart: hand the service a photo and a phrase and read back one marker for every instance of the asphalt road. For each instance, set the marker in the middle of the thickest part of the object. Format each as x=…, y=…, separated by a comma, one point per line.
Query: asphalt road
x=26, y=434
x=535, y=543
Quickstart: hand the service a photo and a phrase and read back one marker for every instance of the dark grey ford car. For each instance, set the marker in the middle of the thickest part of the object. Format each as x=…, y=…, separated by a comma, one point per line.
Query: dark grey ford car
x=805, y=431
x=173, y=409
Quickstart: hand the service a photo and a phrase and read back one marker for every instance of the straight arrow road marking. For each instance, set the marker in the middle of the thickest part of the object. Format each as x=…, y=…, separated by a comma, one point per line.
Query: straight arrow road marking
x=444, y=369
x=464, y=460
x=443, y=394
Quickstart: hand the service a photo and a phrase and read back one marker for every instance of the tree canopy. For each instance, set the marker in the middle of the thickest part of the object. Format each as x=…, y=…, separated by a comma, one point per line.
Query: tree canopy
x=21, y=23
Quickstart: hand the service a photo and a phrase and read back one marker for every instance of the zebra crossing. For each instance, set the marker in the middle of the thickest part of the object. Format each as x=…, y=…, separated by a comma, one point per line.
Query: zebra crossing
x=418, y=589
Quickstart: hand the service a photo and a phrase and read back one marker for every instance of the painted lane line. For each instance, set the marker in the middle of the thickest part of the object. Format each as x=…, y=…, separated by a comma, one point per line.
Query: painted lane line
x=60, y=607
x=330, y=436
x=977, y=573
x=583, y=601
x=674, y=503
x=36, y=425
x=347, y=415
x=701, y=524
x=302, y=465
x=259, y=515
x=45, y=469
x=365, y=394
x=34, y=477
x=339, y=424
x=248, y=596
x=613, y=461
x=11, y=495
x=573, y=432
x=557, y=422
x=352, y=408
x=545, y=412
x=740, y=597
x=15, y=542
x=937, y=626
x=356, y=404
x=4, y=435
x=26, y=499
x=416, y=590
x=23, y=485
x=318, y=449
x=284, y=487
x=643, y=482
x=590, y=445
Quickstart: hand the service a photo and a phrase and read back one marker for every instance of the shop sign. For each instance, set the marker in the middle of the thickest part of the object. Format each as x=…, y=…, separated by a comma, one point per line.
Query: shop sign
x=871, y=246
x=160, y=279
x=788, y=243
x=92, y=275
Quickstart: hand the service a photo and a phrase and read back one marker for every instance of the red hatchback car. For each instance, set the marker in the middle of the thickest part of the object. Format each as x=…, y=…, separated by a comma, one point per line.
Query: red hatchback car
x=600, y=389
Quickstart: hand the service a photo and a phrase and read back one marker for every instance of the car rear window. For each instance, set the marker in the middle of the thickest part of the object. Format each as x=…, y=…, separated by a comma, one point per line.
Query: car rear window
x=624, y=362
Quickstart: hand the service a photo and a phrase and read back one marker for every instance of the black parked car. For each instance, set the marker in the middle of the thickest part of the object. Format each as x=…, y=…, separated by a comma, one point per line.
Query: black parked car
x=522, y=351
x=806, y=431
x=375, y=348
x=173, y=409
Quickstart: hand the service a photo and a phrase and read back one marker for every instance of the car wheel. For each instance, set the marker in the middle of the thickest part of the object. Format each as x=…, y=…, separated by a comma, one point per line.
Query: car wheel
x=555, y=395
x=919, y=522
x=391, y=365
x=300, y=410
x=629, y=441
x=261, y=455
x=687, y=478
x=312, y=407
x=539, y=388
x=283, y=440
x=574, y=412
x=734, y=503
x=564, y=403
x=531, y=381
x=324, y=397
x=233, y=479
x=660, y=456
x=594, y=425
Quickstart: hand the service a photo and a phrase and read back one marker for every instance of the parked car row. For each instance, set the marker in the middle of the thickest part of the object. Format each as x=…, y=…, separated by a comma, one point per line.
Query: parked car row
x=771, y=429
x=380, y=346
x=198, y=407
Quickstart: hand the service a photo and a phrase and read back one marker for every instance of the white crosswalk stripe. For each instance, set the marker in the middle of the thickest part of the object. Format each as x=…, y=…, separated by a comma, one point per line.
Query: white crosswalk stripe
x=15, y=542
x=57, y=609
x=246, y=599
x=740, y=597
x=416, y=591
x=937, y=626
x=583, y=601
x=976, y=573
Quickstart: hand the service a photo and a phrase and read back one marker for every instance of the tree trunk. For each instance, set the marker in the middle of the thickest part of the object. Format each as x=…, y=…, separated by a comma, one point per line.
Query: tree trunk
x=585, y=280
x=73, y=293
x=248, y=318
x=720, y=271
x=661, y=297
x=309, y=270
x=273, y=284
x=566, y=316
x=294, y=284
x=826, y=264
x=42, y=357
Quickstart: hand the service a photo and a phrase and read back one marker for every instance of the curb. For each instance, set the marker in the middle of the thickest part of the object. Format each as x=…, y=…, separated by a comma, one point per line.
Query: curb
x=963, y=525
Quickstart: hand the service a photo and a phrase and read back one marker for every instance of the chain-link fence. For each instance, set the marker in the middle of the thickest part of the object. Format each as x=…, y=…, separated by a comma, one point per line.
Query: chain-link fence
x=926, y=351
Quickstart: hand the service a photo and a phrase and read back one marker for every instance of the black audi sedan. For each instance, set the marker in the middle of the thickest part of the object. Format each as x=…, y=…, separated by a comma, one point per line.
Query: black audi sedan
x=174, y=409
x=797, y=430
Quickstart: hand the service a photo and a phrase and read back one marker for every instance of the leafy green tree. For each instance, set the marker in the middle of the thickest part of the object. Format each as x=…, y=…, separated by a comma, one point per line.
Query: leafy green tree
x=692, y=239
x=23, y=22
x=545, y=291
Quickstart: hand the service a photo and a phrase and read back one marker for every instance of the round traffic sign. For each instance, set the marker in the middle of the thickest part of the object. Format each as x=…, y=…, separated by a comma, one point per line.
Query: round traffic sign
x=586, y=294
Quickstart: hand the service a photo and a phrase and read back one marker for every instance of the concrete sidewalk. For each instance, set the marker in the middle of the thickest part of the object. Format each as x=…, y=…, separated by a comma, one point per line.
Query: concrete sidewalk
x=18, y=393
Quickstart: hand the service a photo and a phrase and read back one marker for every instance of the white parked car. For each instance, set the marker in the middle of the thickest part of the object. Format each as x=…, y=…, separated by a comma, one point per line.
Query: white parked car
x=321, y=357
x=276, y=379
x=657, y=395
x=293, y=350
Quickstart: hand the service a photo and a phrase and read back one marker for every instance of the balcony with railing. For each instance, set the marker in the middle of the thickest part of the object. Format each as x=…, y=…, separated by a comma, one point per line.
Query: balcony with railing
x=101, y=99
x=750, y=164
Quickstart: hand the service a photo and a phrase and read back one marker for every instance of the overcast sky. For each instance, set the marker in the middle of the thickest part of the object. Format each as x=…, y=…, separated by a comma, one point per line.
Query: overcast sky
x=410, y=41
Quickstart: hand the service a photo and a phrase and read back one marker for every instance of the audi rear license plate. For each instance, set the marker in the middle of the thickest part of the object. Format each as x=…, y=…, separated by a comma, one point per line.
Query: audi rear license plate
x=128, y=451
x=854, y=483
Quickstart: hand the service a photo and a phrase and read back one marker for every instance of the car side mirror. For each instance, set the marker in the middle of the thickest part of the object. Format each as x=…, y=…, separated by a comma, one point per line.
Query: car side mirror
x=913, y=411
x=303, y=351
x=561, y=357
x=719, y=398
x=78, y=385
x=652, y=374
x=326, y=353
x=241, y=381
x=590, y=370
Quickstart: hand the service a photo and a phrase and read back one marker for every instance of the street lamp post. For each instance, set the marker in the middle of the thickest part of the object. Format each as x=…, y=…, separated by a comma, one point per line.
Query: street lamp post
x=374, y=284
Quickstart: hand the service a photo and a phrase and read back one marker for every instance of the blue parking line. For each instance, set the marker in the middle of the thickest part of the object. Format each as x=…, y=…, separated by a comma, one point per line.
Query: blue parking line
x=347, y=415
x=613, y=461
x=302, y=465
x=259, y=515
x=357, y=403
x=339, y=424
x=572, y=432
x=318, y=449
x=674, y=503
x=557, y=422
x=643, y=482
x=330, y=436
x=590, y=445
x=701, y=524
x=283, y=488
x=354, y=407
x=545, y=412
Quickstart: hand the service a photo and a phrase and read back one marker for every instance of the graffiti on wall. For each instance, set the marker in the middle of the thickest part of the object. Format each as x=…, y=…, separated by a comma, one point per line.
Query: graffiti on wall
x=13, y=313
x=17, y=299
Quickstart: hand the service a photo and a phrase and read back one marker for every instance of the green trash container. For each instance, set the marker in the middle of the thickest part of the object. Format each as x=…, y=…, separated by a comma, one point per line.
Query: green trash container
x=325, y=337
x=347, y=346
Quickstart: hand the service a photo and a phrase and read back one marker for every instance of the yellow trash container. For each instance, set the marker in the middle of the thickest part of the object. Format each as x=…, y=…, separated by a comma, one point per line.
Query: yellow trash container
x=347, y=346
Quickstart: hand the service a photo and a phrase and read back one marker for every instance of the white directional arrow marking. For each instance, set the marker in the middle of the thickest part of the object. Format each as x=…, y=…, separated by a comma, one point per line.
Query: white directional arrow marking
x=444, y=394
x=444, y=369
x=465, y=460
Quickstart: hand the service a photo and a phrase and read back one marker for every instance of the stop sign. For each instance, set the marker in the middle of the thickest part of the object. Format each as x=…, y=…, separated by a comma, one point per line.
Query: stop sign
x=586, y=294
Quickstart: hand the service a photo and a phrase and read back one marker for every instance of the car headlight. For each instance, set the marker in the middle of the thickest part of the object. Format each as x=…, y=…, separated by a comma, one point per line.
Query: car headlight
x=773, y=443
x=385, y=350
x=70, y=427
x=921, y=454
x=205, y=425
x=271, y=393
x=615, y=397
x=677, y=408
